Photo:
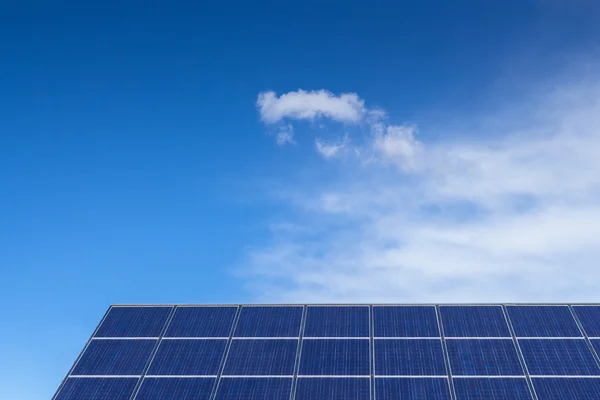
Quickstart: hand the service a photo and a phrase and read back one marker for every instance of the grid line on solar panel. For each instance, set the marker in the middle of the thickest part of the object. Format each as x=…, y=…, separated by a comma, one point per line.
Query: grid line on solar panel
x=335, y=357
x=134, y=322
x=115, y=357
x=438, y=317
x=205, y=321
x=405, y=321
x=272, y=321
x=558, y=357
x=409, y=357
x=542, y=321
x=473, y=321
x=96, y=389
x=261, y=357
x=250, y=388
x=333, y=388
x=499, y=388
x=188, y=357
x=412, y=388
x=483, y=357
x=298, y=354
x=158, y=388
x=337, y=321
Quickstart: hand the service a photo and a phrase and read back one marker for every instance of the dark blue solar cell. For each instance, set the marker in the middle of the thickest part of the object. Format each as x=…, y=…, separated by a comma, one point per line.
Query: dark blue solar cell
x=188, y=357
x=254, y=389
x=202, y=322
x=337, y=321
x=567, y=388
x=335, y=357
x=491, y=389
x=261, y=357
x=543, y=321
x=115, y=357
x=134, y=322
x=474, y=321
x=483, y=357
x=412, y=389
x=596, y=345
x=405, y=321
x=176, y=389
x=97, y=389
x=558, y=357
x=333, y=389
x=589, y=316
x=269, y=322
x=409, y=357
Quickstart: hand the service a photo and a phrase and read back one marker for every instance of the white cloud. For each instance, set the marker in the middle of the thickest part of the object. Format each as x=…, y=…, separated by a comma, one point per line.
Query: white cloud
x=308, y=105
x=285, y=135
x=330, y=150
x=492, y=216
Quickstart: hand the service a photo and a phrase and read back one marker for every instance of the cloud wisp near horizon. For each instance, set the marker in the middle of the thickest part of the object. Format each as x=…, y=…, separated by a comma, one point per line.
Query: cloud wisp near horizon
x=507, y=212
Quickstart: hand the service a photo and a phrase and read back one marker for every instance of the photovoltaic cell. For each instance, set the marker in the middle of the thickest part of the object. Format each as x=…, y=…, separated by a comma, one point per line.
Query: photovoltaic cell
x=409, y=357
x=261, y=357
x=335, y=357
x=201, y=322
x=474, y=321
x=337, y=321
x=269, y=322
x=543, y=321
x=589, y=316
x=558, y=357
x=567, y=388
x=596, y=345
x=188, y=357
x=97, y=389
x=483, y=357
x=176, y=389
x=412, y=389
x=115, y=357
x=254, y=389
x=333, y=389
x=134, y=322
x=492, y=389
x=405, y=321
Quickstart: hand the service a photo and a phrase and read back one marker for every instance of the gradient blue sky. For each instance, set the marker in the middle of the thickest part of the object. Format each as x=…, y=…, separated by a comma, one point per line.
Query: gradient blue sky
x=137, y=167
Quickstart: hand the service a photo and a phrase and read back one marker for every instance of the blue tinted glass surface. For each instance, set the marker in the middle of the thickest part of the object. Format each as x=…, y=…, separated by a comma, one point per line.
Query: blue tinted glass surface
x=335, y=357
x=474, y=321
x=176, y=389
x=558, y=357
x=491, y=389
x=333, y=389
x=115, y=357
x=261, y=357
x=412, y=389
x=97, y=389
x=405, y=321
x=543, y=321
x=567, y=388
x=596, y=345
x=483, y=357
x=589, y=316
x=409, y=357
x=188, y=357
x=254, y=389
x=336, y=321
x=134, y=322
x=201, y=322
x=269, y=322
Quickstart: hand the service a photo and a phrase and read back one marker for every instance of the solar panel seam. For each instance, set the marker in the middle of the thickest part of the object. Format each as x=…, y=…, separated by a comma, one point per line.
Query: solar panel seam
x=224, y=360
x=520, y=354
x=162, y=334
x=298, y=353
x=81, y=354
x=587, y=339
x=372, y=353
x=445, y=351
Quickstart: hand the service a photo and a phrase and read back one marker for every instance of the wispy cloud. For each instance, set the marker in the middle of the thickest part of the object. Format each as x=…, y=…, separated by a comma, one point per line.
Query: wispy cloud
x=331, y=149
x=488, y=216
x=285, y=135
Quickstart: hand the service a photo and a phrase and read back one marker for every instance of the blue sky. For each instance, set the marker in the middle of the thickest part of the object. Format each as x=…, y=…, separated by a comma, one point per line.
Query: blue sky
x=230, y=152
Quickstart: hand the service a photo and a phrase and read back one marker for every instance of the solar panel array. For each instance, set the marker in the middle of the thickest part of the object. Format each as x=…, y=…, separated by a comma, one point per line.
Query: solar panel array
x=340, y=352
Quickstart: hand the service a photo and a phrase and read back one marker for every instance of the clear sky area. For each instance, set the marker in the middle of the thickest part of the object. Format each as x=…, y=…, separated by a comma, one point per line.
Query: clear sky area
x=286, y=151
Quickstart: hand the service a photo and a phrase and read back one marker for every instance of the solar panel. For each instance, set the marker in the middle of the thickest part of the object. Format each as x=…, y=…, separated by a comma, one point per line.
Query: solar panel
x=115, y=357
x=567, y=388
x=558, y=357
x=134, y=322
x=269, y=322
x=333, y=389
x=474, y=321
x=342, y=321
x=492, y=389
x=335, y=357
x=543, y=321
x=261, y=357
x=596, y=345
x=97, y=389
x=405, y=321
x=409, y=357
x=589, y=316
x=188, y=357
x=483, y=357
x=254, y=389
x=176, y=389
x=412, y=389
x=202, y=322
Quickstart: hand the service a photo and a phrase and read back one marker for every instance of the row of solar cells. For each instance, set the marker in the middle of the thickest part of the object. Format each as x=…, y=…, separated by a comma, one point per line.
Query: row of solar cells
x=329, y=389
x=353, y=321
